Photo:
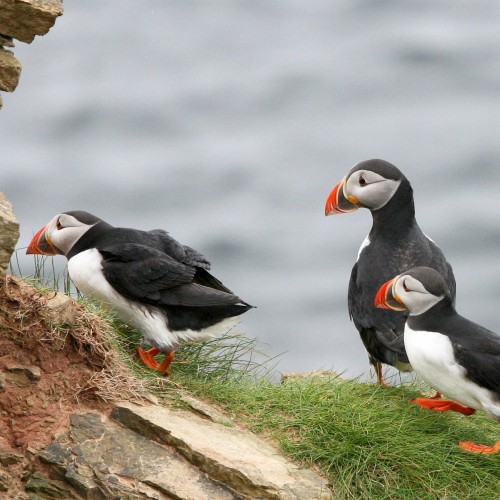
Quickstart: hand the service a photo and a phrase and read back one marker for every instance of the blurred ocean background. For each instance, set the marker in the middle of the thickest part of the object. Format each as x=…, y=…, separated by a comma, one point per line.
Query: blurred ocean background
x=227, y=123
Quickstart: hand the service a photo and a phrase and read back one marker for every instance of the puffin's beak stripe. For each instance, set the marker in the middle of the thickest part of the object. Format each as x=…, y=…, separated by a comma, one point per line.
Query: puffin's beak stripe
x=396, y=297
x=41, y=244
x=386, y=298
x=339, y=202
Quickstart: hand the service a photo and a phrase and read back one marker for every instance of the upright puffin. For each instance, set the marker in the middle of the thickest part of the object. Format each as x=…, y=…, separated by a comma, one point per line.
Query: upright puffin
x=457, y=357
x=153, y=283
x=395, y=243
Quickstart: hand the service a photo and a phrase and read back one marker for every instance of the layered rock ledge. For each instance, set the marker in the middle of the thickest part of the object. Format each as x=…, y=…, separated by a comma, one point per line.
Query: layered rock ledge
x=22, y=20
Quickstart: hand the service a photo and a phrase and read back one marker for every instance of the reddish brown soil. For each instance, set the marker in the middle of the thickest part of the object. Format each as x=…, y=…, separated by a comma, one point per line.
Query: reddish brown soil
x=44, y=376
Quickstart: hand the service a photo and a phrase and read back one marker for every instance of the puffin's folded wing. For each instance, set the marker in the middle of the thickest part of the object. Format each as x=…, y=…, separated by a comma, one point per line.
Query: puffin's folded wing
x=481, y=355
x=141, y=273
x=195, y=295
x=182, y=253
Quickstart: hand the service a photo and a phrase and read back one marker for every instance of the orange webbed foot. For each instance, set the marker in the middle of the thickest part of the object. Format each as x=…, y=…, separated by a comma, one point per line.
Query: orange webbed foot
x=479, y=448
x=147, y=357
x=442, y=405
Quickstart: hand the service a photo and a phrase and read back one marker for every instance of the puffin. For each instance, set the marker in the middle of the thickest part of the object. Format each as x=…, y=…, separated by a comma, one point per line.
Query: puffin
x=151, y=281
x=454, y=355
x=395, y=243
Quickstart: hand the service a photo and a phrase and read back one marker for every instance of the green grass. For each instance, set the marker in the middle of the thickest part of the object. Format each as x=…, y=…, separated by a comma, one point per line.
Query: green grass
x=366, y=439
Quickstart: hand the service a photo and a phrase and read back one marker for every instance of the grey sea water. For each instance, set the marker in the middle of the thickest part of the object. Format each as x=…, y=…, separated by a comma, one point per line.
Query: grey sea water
x=228, y=122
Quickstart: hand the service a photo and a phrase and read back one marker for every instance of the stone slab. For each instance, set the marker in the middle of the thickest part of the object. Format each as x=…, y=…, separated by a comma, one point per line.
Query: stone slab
x=24, y=19
x=10, y=70
x=251, y=467
x=101, y=459
x=9, y=233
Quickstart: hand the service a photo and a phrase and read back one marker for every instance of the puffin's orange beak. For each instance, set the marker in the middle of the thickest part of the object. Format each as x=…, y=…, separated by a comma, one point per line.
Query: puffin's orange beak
x=41, y=244
x=338, y=202
x=387, y=298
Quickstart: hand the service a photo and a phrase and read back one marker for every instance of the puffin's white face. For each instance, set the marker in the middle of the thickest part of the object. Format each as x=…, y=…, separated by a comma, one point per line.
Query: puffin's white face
x=370, y=189
x=64, y=230
x=412, y=293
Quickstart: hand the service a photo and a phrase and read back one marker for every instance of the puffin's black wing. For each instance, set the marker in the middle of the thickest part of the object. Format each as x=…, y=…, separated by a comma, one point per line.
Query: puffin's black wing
x=145, y=274
x=478, y=350
x=182, y=253
x=138, y=271
x=189, y=256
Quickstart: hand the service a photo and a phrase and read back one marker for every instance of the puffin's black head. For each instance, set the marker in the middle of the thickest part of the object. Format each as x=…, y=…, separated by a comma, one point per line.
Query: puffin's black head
x=83, y=217
x=369, y=184
x=416, y=290
x=62, y=232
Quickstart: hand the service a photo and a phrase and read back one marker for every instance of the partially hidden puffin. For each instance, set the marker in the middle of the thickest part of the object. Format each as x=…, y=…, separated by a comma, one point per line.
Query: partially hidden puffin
x=153, y=283
x=395, y=243
x=457, y=357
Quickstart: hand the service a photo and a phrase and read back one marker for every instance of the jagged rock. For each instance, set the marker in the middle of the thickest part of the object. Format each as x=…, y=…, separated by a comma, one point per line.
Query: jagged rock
x=6, y=41
x=10, y=70
x=61, y=310
x=249, y=466
x=32, y=372
x=5, y=481
x=24, y=19
x=22, y=376
x=9, y=233
x=49, y=489
x=7, y=458
x=104, y=460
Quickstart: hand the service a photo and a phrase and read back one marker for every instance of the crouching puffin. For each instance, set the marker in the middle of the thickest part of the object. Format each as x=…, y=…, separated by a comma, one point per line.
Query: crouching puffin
x=395, y=243
x=457, y=357
x=153, y=283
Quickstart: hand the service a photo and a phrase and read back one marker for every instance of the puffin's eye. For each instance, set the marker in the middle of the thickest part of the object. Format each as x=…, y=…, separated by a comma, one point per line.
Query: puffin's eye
x=59, y=225
x=405, y=288
x=362, y=181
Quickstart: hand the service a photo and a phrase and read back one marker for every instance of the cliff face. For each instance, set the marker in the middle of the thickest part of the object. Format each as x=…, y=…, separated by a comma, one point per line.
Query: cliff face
x=22, y=20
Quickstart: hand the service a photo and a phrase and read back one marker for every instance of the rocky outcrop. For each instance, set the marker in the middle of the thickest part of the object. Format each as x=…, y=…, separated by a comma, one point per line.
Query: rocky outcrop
x=160, y=452
x=9, y=233
x=22, y=20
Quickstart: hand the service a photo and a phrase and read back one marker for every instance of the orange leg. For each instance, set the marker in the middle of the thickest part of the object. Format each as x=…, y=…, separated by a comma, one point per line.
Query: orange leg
x=480, y=448
x=378, y=371
x=442, y=405
x=147, y=357
x=165, y=366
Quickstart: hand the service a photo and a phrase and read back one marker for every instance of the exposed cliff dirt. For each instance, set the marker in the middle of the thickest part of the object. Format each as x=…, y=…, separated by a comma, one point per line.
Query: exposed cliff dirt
x=44, y=377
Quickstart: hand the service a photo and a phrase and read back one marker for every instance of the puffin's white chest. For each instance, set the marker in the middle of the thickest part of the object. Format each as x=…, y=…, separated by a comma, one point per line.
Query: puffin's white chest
x=85, y=269
x=431, y=356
